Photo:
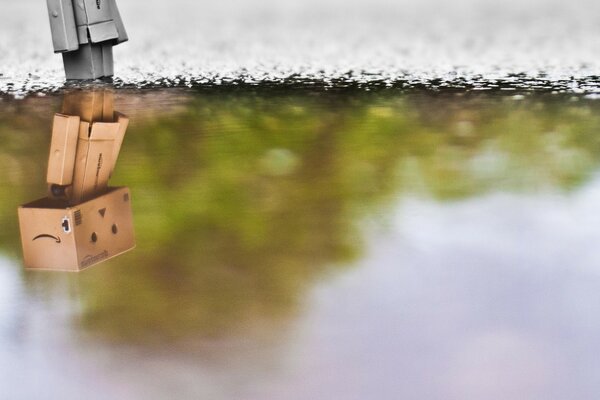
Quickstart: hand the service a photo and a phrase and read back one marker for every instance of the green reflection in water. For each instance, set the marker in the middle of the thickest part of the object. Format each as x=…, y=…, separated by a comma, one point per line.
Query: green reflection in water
x=242, y=200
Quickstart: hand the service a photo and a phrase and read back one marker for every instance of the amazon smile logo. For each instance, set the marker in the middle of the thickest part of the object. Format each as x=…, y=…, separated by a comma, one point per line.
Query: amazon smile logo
x=46, y=236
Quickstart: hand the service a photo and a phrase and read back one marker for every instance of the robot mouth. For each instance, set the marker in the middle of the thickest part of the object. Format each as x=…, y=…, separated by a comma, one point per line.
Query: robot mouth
x=57, y=239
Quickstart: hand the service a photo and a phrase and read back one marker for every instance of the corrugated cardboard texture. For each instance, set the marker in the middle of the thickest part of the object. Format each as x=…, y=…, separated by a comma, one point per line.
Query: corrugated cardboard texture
x=45, y=243
x=94, y=160
x=74, y=238
x=106, y=229
x=83, y=221
x=61, y=162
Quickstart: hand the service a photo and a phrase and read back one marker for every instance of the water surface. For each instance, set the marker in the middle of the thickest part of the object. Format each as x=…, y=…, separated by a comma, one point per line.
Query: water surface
x=320, y=243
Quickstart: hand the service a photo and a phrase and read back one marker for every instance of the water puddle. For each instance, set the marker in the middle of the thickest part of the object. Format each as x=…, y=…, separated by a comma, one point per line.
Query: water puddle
x=316, y=243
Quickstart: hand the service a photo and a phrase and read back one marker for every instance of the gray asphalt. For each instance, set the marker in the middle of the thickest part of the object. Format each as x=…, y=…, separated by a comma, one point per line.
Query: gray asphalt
x=362, y=41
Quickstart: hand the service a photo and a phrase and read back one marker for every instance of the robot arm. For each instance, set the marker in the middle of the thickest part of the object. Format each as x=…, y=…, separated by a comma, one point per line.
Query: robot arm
x=116, y=16
x=62, y=25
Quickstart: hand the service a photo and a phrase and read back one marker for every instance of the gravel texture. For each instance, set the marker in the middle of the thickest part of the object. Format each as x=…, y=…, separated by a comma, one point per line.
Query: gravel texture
x=476, y=44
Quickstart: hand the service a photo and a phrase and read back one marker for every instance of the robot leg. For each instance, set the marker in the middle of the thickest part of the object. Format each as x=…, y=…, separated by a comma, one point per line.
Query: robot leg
x=107, y=60
x=90, y=61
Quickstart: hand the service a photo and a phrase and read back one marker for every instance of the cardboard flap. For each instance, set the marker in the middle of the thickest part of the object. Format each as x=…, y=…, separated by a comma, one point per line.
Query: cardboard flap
x=123, y=122
x=98, y=131
x=96, y=11
x=103, y=31
x=104, y=131
x=63, y=147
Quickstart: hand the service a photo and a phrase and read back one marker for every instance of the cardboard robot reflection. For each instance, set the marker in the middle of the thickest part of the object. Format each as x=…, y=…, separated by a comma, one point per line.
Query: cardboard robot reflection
x=85, y=31
x=82, y=221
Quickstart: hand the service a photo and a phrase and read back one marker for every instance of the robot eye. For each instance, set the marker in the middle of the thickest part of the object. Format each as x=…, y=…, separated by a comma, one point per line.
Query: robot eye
x=66, y=225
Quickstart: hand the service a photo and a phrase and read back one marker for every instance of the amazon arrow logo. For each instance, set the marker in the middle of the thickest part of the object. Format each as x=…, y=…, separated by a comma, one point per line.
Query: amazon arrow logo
x=47, y=236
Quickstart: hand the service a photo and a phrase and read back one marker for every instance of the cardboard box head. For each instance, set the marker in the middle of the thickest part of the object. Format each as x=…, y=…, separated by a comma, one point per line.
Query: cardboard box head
x=59, y=237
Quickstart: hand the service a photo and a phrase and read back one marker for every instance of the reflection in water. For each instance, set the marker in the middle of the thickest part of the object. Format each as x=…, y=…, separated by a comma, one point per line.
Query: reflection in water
x=82, y=221
x=327, y=246
x=258, y=197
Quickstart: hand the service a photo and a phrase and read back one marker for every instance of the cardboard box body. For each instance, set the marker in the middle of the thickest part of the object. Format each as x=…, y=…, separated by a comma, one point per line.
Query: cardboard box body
x=83, y=155
x=71, y=238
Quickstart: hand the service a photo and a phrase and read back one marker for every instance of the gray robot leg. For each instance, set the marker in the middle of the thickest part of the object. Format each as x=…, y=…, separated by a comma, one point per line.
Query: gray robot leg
x=91, y=61
x=107, y=60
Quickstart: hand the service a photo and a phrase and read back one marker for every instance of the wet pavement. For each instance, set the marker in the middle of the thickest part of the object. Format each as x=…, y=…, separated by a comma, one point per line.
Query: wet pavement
x=311, y=243
x=483, y=44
